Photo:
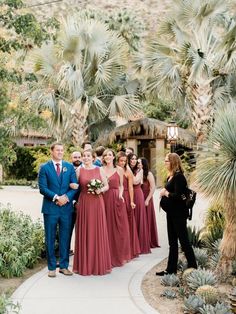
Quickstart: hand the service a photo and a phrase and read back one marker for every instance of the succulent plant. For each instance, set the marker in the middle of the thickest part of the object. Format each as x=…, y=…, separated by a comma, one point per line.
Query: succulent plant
x=169, y=294
x=214, y=259
x=170, y=280
x=200, y=277
x=208, y=293
x=182, y=265
x=219, y=308
x=192, y=304
x=201, y=257
x=182, y=292
x=186, y=273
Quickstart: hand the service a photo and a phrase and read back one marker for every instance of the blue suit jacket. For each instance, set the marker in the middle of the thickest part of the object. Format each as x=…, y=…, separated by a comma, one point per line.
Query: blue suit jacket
x=50, y=184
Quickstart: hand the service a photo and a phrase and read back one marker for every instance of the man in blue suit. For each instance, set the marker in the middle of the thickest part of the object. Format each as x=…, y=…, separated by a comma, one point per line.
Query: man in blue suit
x=55, y=177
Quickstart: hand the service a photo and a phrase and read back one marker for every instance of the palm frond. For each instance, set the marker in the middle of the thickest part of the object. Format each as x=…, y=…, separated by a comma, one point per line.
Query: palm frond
x=125, y=106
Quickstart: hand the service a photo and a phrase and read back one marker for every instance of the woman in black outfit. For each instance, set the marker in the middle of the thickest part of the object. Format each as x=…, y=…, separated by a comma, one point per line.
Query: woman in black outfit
x=176, y=213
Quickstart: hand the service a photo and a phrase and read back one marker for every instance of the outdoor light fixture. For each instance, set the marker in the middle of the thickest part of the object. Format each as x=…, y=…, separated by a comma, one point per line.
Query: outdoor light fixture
x=172, y=135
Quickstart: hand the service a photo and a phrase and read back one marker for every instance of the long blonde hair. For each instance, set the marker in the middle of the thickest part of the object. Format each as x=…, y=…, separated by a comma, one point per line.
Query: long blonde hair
x=175, y=163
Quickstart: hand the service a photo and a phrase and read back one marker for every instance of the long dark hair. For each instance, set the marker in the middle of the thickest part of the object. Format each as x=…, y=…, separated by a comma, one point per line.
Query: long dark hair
x=135, y=168
x=145, y=168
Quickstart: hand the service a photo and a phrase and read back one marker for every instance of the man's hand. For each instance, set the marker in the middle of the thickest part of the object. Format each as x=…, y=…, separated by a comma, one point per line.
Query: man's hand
x=62, y=200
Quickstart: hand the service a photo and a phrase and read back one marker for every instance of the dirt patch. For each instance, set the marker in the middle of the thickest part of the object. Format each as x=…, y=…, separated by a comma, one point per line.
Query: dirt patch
x=9, y=285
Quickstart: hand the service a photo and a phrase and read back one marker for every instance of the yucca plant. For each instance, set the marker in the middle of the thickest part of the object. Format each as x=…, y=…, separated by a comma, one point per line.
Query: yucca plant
x=200, y=277
x=194, y=236
x=216, y=177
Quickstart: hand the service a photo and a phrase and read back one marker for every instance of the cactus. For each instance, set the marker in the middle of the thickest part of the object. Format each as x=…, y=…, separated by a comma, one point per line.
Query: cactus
x=169, y=294
x=192, y=304
x=201, y=257
x=219, y=308
x=208, y=293
x=200, y=277
x=170, y=280
x=186, y=273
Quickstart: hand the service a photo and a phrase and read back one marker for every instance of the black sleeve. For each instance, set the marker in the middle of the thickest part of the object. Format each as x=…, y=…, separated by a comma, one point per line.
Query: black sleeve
x=180, y=185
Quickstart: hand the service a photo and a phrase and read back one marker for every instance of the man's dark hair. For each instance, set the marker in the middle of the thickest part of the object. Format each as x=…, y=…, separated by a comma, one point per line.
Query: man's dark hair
x=99, y=151
x=131, y=148
x=55, y=144
x=84, y=143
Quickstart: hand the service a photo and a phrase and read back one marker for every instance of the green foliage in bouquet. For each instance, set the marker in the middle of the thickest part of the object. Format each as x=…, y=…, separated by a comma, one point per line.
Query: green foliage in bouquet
x=21, y=242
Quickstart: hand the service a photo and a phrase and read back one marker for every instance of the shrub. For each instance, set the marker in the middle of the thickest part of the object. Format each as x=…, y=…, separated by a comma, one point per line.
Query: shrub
x=200, y=277
x=7, y=306
x=21, y=242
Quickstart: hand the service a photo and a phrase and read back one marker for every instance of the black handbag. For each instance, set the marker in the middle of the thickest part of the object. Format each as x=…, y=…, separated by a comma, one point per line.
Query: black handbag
x=189, y=197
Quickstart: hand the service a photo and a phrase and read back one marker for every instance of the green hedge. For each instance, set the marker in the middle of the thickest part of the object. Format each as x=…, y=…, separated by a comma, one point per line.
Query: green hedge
x=24, y=167
x=21, y=242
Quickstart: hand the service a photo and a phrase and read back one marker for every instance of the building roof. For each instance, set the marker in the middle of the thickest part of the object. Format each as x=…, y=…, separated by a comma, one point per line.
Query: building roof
x=145, y=128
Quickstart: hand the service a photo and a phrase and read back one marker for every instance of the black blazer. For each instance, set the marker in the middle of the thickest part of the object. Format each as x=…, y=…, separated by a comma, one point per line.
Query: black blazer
x=173, y=204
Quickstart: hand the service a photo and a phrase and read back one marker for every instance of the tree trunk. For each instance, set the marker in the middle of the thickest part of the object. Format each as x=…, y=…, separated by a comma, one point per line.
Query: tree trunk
x=228, y=243
x=200, y=95
x=79, y=117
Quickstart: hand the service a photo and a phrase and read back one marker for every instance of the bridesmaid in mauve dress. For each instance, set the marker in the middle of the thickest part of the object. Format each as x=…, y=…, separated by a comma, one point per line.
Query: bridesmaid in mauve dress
x=148, y=188
x=92, y=253
x=129, y=202
x=140, y=210
x=117, y=220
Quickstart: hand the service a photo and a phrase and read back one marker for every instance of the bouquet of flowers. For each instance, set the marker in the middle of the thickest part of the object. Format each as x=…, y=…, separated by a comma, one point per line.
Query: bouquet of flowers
x=93, y=185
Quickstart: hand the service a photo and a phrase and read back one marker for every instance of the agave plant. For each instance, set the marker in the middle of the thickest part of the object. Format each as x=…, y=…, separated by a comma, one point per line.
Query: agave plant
x=192, y=304
x=187, y=60
x=201, y=256
x=216, y=177
x=169, y=294
x=82, y=78
x=170, y=280
x=194, y=236
x=200, y=277
x=219, y=308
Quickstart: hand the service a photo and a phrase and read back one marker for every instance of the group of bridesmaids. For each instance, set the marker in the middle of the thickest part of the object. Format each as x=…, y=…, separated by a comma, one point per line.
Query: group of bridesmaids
x=117, y=223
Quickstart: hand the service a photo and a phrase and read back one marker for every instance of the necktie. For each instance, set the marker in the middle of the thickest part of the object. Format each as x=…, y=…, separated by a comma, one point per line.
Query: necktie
x=58, y=169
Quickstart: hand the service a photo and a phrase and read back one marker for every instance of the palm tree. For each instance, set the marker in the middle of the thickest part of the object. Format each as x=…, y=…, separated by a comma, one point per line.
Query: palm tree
x=191, y=59
x=216, y=176
x=82, y=78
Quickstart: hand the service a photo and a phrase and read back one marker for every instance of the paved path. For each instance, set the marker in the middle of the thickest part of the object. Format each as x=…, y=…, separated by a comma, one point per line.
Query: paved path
x=116, y=293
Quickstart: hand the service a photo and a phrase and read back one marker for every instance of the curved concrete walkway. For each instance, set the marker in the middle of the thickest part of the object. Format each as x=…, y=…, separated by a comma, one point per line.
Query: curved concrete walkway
x=118, y=292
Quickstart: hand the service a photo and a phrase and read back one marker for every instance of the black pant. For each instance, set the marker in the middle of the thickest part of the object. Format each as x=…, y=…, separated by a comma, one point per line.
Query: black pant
x=177, y=230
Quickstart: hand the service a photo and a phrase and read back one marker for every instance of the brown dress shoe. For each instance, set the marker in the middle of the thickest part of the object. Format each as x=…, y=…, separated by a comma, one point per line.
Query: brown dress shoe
x=52, y=273
x=65, y=272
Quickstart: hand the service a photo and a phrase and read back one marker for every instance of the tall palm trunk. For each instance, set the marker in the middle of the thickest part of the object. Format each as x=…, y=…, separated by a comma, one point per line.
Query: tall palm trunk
x=79, y=117
x=200, y=95
x=228, y=243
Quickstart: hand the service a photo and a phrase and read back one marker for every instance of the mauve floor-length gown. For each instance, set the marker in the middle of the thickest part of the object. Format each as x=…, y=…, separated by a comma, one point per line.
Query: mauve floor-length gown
x=117, y=223
x=92, y=252
x=151, y=216
x=134, y=240
x=141, y=220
